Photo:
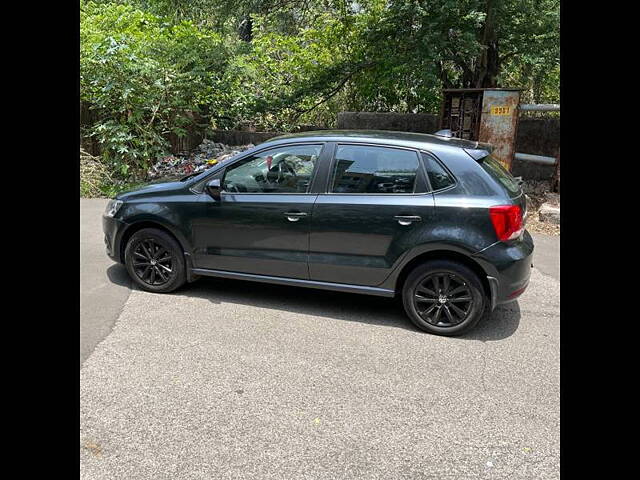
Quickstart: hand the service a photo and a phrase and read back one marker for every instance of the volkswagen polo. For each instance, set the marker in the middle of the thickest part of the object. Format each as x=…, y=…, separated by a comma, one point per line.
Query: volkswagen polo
x=437, y=221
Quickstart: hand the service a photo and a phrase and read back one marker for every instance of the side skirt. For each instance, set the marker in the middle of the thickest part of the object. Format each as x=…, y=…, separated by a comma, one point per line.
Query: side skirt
x=296, y=282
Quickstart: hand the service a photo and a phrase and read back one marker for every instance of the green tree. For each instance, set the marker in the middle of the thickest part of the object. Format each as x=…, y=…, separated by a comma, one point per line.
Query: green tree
x=154, y=67
x=145, y=78
x=397, y=56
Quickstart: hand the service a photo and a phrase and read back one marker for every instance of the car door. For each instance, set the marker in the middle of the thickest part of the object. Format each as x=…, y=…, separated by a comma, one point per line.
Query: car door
x=373, y=208
x=261, y=223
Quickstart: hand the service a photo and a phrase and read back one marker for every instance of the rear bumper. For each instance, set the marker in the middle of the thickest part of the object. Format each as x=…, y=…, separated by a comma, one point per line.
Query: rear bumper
x=113, y=228
x=508, y=266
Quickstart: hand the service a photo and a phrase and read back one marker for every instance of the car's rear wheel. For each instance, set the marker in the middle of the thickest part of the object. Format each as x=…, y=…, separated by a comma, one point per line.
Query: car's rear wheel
x=155, y=261
x=444, y=297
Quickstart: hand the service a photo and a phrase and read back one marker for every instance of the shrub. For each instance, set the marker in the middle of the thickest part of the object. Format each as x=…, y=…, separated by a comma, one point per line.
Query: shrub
x=95, y=178
x=145, y=78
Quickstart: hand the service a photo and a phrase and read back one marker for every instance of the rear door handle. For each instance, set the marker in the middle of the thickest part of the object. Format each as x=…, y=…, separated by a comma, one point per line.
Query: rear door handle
x=407, y=219
x=294, y=216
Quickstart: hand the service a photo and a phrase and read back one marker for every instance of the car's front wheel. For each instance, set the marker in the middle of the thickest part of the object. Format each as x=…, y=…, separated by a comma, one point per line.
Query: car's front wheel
x=443, y=297
x=155, y=261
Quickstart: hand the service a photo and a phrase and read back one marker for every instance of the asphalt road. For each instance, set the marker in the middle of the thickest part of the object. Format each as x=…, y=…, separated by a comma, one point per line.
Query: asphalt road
x=104, y=286
x=546, y=255
x=229, y=379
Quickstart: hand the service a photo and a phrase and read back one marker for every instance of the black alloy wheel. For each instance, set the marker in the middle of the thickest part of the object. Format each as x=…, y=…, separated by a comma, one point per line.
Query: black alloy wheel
x=152, y=262
x=444, y=297
x=155, y=260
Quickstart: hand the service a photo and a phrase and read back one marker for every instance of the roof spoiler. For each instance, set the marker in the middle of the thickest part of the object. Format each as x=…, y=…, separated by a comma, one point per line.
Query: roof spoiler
x=481, y=151
x=444, y=133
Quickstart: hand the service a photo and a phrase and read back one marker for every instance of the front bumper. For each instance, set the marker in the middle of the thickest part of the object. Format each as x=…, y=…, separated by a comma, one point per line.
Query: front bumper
x=113, y=228
x=508, y=266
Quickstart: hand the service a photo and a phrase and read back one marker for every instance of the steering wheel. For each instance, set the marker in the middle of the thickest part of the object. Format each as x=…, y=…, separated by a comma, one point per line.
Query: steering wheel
x=232, y=188
x=282, y=170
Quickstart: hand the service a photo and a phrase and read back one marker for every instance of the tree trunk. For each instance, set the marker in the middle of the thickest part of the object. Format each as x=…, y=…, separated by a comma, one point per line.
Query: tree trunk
x=555, y=183
x=488, y=65
x=245, y=29
x=537, y=87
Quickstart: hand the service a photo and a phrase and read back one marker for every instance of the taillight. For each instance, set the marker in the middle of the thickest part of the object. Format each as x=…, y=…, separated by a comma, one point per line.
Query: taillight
x=507, y=221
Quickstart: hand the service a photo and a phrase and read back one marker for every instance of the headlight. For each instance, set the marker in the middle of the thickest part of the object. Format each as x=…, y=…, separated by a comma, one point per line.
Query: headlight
x=112, y=208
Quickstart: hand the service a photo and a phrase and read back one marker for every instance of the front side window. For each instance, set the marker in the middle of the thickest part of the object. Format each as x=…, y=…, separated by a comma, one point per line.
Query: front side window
x=365, y=169
x=278, y=170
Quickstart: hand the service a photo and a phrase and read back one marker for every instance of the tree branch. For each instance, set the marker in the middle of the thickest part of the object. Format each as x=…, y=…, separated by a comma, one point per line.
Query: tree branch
x=333, y=91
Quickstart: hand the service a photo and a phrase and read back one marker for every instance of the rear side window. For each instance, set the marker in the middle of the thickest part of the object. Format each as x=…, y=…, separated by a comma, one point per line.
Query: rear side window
x=494, y=168
x=365, y=169
x=438, y=176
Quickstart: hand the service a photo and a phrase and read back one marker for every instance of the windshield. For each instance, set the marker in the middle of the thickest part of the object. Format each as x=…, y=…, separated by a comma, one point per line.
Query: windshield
x=494, y=168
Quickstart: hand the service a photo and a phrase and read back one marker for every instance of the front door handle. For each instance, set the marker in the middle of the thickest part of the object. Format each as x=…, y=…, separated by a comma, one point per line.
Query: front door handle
x=294, y=216
x=407, y=219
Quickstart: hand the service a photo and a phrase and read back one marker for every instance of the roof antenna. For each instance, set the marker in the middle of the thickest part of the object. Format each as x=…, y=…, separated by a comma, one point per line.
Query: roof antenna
x=444, y=133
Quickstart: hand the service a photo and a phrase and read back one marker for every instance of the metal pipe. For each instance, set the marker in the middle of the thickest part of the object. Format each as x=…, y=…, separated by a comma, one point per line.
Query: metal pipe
x=541, y=107
x=527, y=157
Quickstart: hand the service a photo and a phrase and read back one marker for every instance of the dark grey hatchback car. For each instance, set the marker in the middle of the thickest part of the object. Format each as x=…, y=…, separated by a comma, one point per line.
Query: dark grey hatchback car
x=436, y=220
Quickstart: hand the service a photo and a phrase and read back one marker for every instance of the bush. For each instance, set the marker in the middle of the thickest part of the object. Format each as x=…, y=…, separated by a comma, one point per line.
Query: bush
x=95, y=178
x=145, y=78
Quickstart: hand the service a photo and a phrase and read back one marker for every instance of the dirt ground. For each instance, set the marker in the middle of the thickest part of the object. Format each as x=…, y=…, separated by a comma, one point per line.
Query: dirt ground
x=536, y=195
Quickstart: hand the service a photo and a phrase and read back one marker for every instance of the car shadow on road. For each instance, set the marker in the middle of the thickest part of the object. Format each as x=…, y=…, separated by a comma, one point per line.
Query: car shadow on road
x=118, y=274
x=372, y=310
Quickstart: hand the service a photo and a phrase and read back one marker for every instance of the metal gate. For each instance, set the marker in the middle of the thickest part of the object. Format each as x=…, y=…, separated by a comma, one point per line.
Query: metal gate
x=460, y=113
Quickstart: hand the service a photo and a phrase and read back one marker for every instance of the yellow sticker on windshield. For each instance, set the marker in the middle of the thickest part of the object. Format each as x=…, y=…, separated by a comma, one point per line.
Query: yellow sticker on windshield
x=502, y=110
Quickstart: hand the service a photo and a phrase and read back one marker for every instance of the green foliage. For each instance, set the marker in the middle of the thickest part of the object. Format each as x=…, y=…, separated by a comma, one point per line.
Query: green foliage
x=151, y=68
x=389, y=56
x=145, y=78
x=532, y=49
x=283, y=76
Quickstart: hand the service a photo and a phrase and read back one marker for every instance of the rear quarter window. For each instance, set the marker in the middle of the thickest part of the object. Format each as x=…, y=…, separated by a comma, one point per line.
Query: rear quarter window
x=439, y=178
x=494, y=168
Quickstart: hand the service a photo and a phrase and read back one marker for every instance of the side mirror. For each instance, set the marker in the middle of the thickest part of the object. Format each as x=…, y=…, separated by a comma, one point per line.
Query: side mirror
x=213, y=188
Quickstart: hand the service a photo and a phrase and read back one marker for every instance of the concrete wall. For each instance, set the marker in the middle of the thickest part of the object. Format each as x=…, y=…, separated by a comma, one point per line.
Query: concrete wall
x=238, y=137
x=404, y=122
x=538, y=136
x=242, y=137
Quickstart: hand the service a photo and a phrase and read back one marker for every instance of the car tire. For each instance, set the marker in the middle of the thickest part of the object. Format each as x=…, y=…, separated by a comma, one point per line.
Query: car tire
x=155, y=261
x=438, y=311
